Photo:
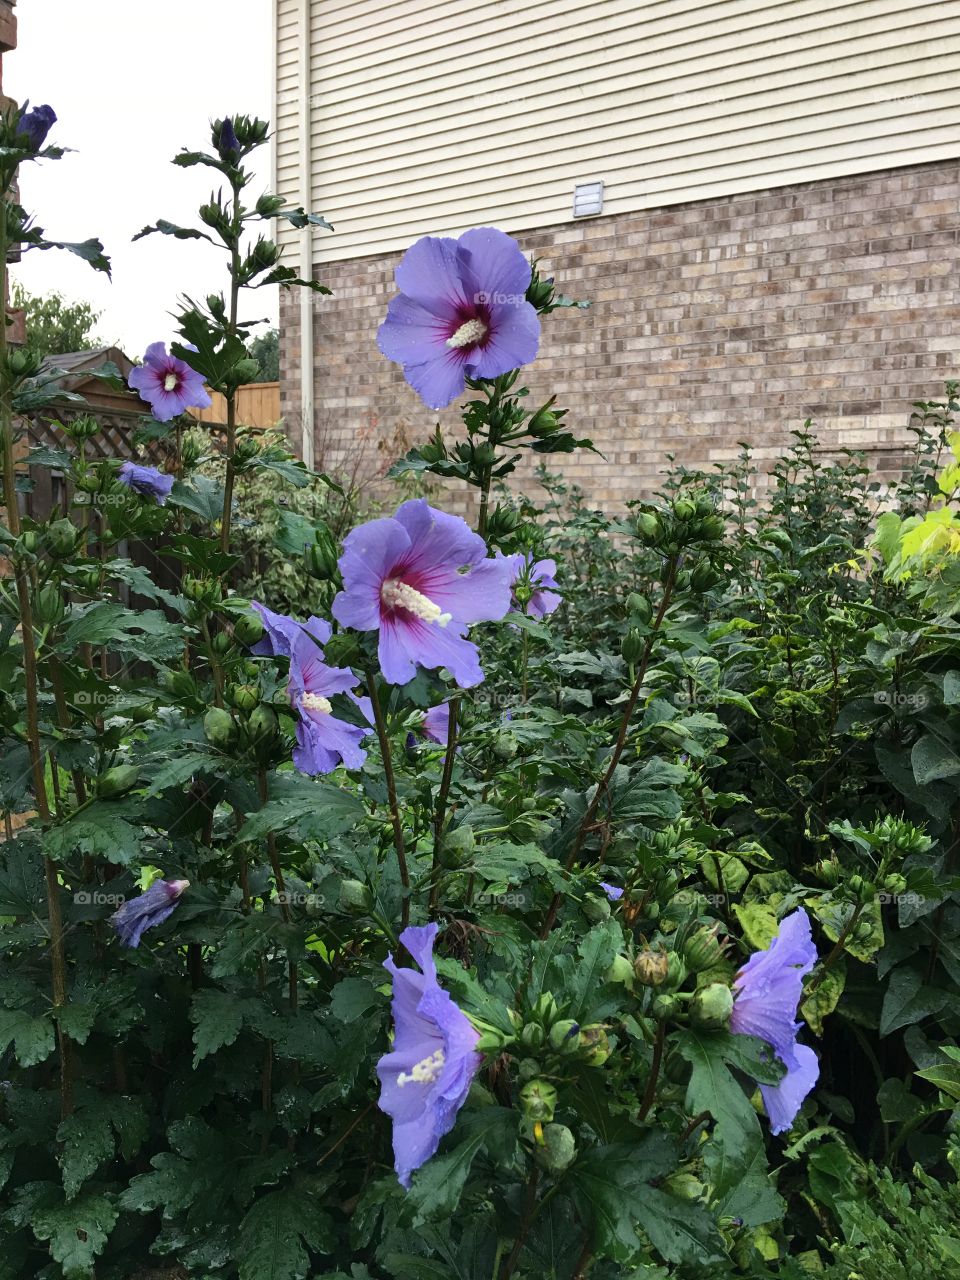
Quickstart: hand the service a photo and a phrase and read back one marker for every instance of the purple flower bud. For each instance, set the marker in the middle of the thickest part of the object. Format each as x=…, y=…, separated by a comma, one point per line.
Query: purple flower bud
x=34, y=125
x=228, y=144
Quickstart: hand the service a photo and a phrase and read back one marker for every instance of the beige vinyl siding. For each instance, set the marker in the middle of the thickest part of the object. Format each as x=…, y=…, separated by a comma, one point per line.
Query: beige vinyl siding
x=432, y=117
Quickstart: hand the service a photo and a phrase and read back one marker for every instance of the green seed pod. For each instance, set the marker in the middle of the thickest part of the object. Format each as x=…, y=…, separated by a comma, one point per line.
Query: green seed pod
x=538, y=1100
x=712, y=1006
x=456, y=846
x=48, y=605
x=712, y=527
x=557, y=1149
x=632, y=646
x=684, y=509
x=118, y=780
x=248, y=629
x=355, y=896
x=651, y=968
x=243, y=696
x=895, y=883
x=676, y=971
x=29, y=542
x=505, y=746
x=564, y=1036
x=89, y=482
x=263, y=725
x=219, y=728
x=703, y=576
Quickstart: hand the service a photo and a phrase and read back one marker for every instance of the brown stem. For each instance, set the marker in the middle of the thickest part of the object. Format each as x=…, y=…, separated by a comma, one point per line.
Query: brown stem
x=650, y=1092
x=527, y=1217
x=583, y=1262
x=441, y=813
x=834, y=955
x=587, y=820
x=392, y=797
x=292, y=975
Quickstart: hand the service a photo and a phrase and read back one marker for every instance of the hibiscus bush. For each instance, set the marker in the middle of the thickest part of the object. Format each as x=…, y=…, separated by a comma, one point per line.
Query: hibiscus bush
x=572, y=895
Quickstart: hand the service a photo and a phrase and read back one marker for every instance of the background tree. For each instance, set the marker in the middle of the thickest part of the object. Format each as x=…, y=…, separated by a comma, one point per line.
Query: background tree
x=54, y=325
x=265, y=349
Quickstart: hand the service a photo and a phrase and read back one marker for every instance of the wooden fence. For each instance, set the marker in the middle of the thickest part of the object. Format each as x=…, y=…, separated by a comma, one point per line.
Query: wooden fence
x=258, y=405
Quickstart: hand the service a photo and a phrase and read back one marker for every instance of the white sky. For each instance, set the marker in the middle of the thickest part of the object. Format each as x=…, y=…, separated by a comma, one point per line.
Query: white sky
x=132, y=84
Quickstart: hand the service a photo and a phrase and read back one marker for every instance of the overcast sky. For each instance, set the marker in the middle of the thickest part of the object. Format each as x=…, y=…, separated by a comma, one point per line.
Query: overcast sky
x=131, y=84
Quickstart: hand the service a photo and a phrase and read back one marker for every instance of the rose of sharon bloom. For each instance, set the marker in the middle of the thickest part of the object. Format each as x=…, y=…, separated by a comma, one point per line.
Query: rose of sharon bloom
x=151, y=908
x=436, y=724
x=34, y=125
x=611, y=890
x=767, y=993
x=539, y=576
x=322, y=740
x=281, y=632
x=167, y=384
x=461, y=313
x=425, y=1080
x=420, y=578
x=147, y=481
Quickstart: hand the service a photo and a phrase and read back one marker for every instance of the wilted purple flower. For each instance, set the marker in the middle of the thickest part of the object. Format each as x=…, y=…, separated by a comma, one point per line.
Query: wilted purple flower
x=538, y=577
x=168, y=384
x=767, y=993
x=34, y=125
x=281, y=632
x=461, y=313
x=611, y=890
x=228, y=144
x=425, y=1080
x=322, y=740
x=420, y=578
x=151, y=908
x=147, y=481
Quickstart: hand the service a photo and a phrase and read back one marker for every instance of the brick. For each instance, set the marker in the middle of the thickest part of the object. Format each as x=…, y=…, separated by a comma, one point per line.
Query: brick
x=711, y=323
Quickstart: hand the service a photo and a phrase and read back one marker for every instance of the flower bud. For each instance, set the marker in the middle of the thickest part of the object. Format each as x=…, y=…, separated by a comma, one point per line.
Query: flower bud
x=505, y=746
x=219, y=728
x=89, y=482
x=28, y=543
x=664, y=1007
x=556, y=1149
x=545, y=1009
x=895, y=883
x=243, y=696
x=263, y=725
x=712, y=527
x=456, y=846
x=632, y=646
x=118, y=780
x=221, y=643
x=594, y=1046
x=355, y=896
x=620, y=971
x=268, y=205
x=712, y=1006
x=538, y=1100
x=533, y=1036
x=48, y=605
x=248, y=629
x=564, y=1036
x=62, y=538
x=83, y=427
x=640, y=608
x=491, y=1041
x=684, y=1186
x=180, y=683
x=703, y=950
x=595, y=908
x=684, y=509
x=828, y=870
x=649, y=528
x=651, y=968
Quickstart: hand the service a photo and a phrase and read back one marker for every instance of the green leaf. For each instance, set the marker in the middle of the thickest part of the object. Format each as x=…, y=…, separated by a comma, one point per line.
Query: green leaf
x=817, y=1007
x=89, y=250
x=277, y=1232
x=98, y=831
x=77, y=1232
x=32, y=1037
x=608, y=1183
x=320, y=809
x=87, y=1140
x=438, y=1185
x=679, y=1231
x=932, y=758
x=171, y=229
x=217, y=1018
x=353, y=997
x=946, y=1077
x=907, y=1000
x=202, y=496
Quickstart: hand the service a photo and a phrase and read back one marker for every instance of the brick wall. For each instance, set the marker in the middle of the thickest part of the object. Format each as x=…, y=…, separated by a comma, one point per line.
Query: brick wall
x=714, y=322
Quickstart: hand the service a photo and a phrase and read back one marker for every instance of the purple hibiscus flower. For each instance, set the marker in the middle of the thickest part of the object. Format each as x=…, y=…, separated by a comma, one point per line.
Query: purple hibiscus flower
x=611, y=890
x=281, y=632
x=539, y=577
x=322, y=740
x=167, y=384
x=425, y=1080
x=147, y=481
x=420, y=578
x=461, y=313
x=151, y=908
x=767, y=993
x=436, y=724
x=34, y=125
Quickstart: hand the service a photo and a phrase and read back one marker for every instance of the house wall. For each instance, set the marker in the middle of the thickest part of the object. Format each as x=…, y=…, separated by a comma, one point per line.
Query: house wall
x=716, y=321
x=431, y=116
